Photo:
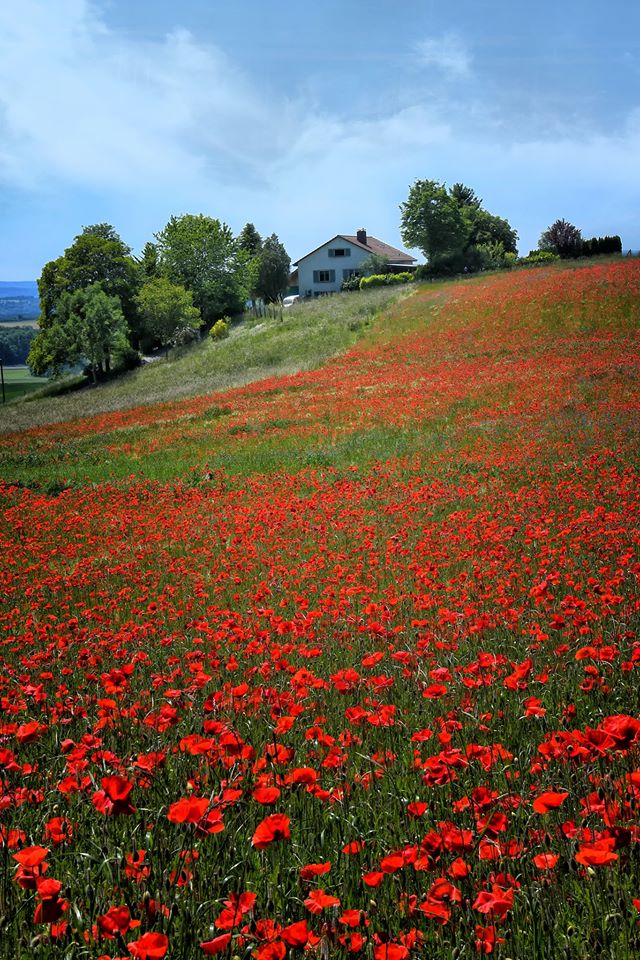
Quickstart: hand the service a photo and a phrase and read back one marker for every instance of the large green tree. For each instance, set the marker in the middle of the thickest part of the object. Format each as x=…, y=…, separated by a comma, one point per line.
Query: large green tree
x=201, y=254
x=96, y=256
x=167, y=311
x=433, y=222
x=273, y=270
x=250, y=240
x=453, y=230
x=89, y=326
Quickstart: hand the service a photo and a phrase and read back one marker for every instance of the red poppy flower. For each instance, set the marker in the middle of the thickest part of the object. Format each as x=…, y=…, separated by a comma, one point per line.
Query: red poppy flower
x=373, y=879
x=266, y=795
x=188, y=810
x=150, y=946
x=217, y=945
x=550, y=800
x=597, y=854
x=273, y=827
x=296, y=934
x=546, y=861
x=318, y=900
x=314, y=870
x=390, y=951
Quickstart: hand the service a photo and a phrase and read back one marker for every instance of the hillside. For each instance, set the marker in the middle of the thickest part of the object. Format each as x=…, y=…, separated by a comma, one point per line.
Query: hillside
x=343, y=658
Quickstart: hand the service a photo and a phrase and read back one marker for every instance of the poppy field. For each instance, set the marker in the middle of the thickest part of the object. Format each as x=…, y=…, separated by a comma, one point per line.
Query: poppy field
x=339, y=664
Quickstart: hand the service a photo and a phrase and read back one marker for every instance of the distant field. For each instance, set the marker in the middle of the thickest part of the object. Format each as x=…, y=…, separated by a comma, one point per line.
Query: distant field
x=18, y=381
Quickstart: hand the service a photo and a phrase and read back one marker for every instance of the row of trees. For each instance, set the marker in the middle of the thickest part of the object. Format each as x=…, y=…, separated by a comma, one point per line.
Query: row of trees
x=457, y=235
x=566, y=241
x=15, y=343
x=454, y=231
x=100, y=305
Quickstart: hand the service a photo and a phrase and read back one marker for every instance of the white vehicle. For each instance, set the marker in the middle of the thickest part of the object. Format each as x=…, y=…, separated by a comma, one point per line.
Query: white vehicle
x=289, y=301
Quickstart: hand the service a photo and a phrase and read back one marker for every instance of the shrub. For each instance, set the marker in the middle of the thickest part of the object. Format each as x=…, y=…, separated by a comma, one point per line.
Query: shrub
x=539, y=258
x=220, y=329
x=385, y=279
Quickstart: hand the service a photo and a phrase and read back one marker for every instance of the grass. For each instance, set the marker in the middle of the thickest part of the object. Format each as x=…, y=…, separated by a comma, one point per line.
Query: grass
x=19, y=382
x=281, y=343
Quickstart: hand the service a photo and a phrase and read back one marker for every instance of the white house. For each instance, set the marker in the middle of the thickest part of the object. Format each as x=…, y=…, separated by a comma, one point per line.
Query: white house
x=325, y=268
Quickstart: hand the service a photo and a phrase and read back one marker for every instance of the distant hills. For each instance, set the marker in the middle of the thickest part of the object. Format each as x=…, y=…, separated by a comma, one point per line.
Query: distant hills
x=18, y=301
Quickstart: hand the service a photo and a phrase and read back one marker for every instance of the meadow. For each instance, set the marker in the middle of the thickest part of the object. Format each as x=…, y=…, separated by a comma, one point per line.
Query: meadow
x=19, y=382
x=340, y=662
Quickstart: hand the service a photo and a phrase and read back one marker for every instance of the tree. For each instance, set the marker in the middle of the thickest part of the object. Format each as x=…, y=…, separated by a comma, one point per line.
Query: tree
x=273, y=270
x=453, y=230
x=250, y=240
x=167, y=311
x=486, y=229
x=465, y=196
x=148, y=262
x=89, y=326
x=433, y=222
x=201, y=254
x=97, y=255
x=374, y=264
x=561, y=238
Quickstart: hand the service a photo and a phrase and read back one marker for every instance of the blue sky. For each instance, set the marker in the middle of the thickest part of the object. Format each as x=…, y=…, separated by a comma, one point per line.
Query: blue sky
x=310, y=119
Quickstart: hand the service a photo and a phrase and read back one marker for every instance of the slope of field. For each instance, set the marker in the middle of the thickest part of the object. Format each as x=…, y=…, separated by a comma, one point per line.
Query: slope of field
x=342, y=662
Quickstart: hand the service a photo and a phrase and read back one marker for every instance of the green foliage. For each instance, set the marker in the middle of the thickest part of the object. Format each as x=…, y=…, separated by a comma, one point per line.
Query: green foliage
x=374, y=263
x=201, y=254
x=167, y=311
x=453, y=230
x=97, y=255
x=273, y=270
x=433, y=222
x=385, y=280
x=539, y=258
x=88, y=326
x=15, y=343
x=493, y=256
x=250, y=240
x=148, y=262
x=597, y=246
x=562, y=238
x=220, y=329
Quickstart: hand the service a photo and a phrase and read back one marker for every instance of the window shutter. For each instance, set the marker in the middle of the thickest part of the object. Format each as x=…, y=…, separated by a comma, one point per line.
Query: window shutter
x=332, y=252
x=315, y=276
x=332, y=276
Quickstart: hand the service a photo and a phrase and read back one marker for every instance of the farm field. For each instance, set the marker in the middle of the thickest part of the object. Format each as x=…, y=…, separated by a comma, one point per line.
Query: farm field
x=18, y=381
x=341, y=663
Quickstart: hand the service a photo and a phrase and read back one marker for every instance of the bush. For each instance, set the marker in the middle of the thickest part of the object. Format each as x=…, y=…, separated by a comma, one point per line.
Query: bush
x=539, y=258
x=220, y=329
x=385, y=280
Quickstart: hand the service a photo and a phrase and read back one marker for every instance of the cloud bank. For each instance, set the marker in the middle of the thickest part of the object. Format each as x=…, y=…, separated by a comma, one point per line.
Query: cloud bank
x=174, y=124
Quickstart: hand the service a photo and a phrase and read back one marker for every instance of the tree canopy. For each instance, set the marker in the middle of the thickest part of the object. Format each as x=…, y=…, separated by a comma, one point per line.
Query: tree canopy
x=167, y=311
x=452, y=229
x=273, y=270
x=201, y=254
x=89, y=326
x=96, y=258
x=562, y=238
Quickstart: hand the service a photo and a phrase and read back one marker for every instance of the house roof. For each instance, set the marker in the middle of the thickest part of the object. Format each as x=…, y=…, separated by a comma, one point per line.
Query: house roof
x=373, y=245
x=382, y=249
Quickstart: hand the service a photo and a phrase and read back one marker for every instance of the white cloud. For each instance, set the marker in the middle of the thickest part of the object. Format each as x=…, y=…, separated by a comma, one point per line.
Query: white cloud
x=447, y=53
x=152, y=128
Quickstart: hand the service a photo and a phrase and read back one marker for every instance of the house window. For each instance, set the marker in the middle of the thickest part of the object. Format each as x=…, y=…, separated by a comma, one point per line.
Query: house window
x=324, y=276
x=339, y=251
x=347, y=274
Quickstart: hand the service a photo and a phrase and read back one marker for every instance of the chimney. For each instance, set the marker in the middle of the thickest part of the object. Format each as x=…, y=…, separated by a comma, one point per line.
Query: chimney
x=361, y=236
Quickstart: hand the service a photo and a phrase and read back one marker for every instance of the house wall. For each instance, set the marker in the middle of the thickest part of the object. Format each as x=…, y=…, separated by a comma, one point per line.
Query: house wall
x=320, y=260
